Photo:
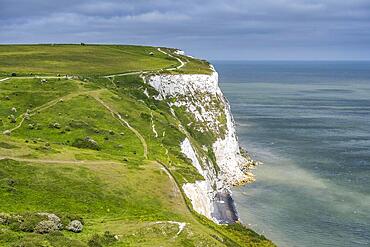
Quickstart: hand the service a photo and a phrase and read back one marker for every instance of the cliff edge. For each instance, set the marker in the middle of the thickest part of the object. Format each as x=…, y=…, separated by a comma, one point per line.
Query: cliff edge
x=211, y=143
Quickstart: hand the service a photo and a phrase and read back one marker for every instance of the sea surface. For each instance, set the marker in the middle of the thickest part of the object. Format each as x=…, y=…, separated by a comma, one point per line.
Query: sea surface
x=309, y=123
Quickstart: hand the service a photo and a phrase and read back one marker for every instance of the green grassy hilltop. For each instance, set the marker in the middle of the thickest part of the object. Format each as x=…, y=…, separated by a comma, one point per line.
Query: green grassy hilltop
x=77, y=141
x=89, y=60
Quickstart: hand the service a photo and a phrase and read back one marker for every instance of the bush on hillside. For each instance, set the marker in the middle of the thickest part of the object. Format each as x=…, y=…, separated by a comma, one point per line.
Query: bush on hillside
x=41, y=223
x=102, y=240
x=46, y=226
x=55, y=125
x=87, y=142
x=78, y=124
x=12, y=118
x=25, y=222
x=54, y=218
x=94, y=241
x=145, y=116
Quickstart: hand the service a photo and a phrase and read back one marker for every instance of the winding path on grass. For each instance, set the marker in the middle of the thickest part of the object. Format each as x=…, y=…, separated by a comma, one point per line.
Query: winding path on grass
x=182, y=64
x=4, y=79
x=117, y=115
x=127, y=73
x=111, y=79
x=123, y=122
x=93, y=94
x=48, y=105
x=41, y=77
x=181, y=225
x=40, y=108
x=54, y=161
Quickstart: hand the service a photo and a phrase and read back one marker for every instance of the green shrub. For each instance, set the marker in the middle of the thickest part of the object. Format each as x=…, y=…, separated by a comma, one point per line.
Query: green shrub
x=78, y=124
x=95, y=241
x=25, y=222
x=145, y=116
x=7, y=145
x=5, y=219
x=30, y=221
x=46, y=226
x=108, y=238
x=87, y=142
x=102, y=240
x=12, y=118
x=55, y=125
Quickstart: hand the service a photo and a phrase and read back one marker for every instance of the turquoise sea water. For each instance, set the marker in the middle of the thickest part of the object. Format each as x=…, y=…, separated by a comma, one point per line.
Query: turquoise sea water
x=309, y=122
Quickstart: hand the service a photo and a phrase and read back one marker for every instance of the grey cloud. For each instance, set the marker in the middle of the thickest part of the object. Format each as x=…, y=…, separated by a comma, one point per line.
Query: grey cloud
x=234, y=29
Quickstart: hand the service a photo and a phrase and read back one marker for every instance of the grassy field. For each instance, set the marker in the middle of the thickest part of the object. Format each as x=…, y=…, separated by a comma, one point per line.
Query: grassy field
x=84, y=148
x=89, y=60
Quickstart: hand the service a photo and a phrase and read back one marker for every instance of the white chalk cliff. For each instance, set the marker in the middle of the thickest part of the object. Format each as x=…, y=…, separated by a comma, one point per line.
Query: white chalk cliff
x=200, y=96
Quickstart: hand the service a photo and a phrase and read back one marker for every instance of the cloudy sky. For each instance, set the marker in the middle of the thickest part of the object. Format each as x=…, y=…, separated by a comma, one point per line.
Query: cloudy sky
x=212, y=29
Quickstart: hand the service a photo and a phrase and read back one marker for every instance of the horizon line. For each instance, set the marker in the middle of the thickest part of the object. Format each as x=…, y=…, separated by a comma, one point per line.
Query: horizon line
x=289, y=60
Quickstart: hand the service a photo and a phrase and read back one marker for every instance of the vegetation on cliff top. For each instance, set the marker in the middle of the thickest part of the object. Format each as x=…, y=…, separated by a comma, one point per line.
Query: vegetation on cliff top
x=90, y=60
x=85, y=148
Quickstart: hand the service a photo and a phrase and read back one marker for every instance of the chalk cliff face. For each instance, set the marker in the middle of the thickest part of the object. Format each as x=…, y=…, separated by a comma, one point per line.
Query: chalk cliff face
x=211, y=143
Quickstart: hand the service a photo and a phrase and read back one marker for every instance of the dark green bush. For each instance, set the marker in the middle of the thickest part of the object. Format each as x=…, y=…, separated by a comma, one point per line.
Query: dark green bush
x=25, y=222
x=78, y=124
x=95, y=241
x=108, y=238
x=86, y=143
x=102, y=240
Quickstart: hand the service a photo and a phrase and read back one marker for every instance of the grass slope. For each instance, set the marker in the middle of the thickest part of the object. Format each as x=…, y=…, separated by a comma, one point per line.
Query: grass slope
x=85, y=147
x=88, y=60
